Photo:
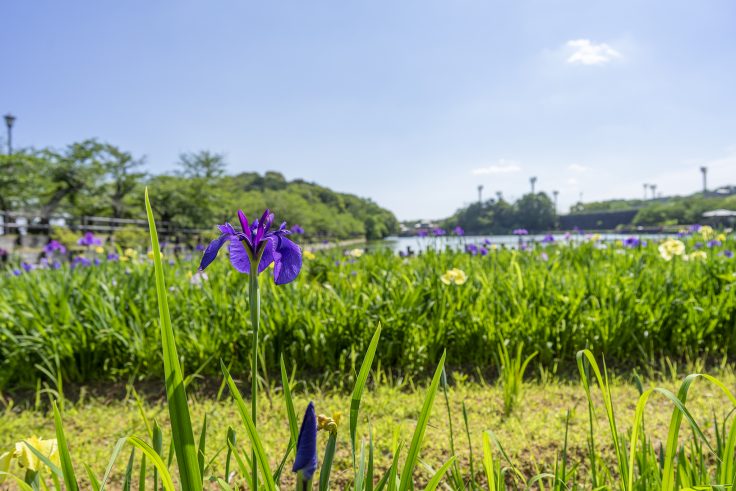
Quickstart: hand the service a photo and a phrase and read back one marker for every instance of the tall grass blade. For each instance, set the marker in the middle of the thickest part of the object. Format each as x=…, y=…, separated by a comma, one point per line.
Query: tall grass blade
x=181, y=423
x=437, y=478
x=360, y=382
x=290, y=412
x=65, y=459
x=250, y=427
x=416, y=441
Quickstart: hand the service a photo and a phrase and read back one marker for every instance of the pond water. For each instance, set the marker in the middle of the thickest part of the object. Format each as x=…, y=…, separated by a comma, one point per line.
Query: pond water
x=418, y=244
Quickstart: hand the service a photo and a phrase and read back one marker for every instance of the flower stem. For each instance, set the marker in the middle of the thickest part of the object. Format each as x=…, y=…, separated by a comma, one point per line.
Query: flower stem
x=255, y=314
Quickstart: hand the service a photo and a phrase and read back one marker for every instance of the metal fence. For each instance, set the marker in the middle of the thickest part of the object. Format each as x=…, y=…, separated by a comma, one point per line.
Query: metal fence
x=18, y=223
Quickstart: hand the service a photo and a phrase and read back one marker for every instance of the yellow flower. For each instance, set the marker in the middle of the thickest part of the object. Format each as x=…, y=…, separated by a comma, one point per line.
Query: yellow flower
x=99, y=250
x=309, y=255
x=595, y=237
x=706, y=231
x=696, y=256
x=28, y=460
x=721, y=238
x=130, y=253
x=454, y=275
x=150, y=255
x=671, y=248
x=356, y=252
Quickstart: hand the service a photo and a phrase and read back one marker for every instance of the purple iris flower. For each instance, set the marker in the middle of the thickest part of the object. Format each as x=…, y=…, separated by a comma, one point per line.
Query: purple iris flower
x=439, y=232
x=568, y=235
x=297, y=229
x=728, y=253
x=113, y=257
x=483, y=251
x=306, y=445
x=200, y=248
x=521, y=231
x=17, y=272
x=26, y=267
x=89, y=239
x=422, y=233
x=56, y=265
x=54, y=246
x=694, y=228
x=458, y=231
x=714, y=243
x=97, y=261
x=632, y=242
x=81, y=261
x=471, y=249
x=698, y=245
x=548, y=239
x=256, y=240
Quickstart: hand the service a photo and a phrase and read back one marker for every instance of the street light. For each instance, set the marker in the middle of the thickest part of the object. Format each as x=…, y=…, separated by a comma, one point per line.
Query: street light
x=533, y=181
x=480, y=193
x=653, y=187
x=9, y=120
x=555, y=193
x=704, y=170
x=646, y=186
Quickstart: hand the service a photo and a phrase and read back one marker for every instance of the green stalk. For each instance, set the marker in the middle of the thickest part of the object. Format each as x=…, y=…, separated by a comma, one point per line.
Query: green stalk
x=255, y=315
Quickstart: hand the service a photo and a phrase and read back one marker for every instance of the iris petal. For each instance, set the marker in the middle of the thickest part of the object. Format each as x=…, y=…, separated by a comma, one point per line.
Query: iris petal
x=211, y=252
x=244, y=223
x=267, y=257
x=239, y=257
x=287, y=258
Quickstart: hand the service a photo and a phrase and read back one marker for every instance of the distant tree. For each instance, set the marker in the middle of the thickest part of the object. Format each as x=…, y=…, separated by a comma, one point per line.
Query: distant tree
x=203, y=164
x=121, y=169
x=77, y=168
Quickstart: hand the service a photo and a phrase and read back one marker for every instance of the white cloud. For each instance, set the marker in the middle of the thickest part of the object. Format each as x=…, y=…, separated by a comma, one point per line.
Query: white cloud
x=585, y=52
x=503, y=167
x=577, y=168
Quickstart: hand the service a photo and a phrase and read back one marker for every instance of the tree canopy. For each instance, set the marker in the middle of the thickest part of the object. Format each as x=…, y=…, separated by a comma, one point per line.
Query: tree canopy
x=99, y=179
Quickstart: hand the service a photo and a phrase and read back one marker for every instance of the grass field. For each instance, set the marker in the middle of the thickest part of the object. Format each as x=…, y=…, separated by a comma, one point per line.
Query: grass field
x=530, y=436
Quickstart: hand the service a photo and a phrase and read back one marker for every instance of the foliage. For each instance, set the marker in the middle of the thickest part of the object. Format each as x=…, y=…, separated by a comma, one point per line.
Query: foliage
x=626, y=302
x=129, y=237
x=534, y=212
x=637, y=466
x=99, y=179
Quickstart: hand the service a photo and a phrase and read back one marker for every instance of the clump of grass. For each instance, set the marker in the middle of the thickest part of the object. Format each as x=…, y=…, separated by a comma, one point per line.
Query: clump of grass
x=512, y=370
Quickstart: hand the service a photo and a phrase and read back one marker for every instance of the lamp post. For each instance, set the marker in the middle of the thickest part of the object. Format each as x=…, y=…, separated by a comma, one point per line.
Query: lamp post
x=532, y=181
x=480, y=193
x=704, y=170
x=555, y=193
x=653, y=187
x=646, y=186
x=9, y=120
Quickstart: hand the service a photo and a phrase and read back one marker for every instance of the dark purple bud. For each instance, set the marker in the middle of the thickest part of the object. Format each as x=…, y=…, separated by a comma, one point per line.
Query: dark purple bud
x=306, y=446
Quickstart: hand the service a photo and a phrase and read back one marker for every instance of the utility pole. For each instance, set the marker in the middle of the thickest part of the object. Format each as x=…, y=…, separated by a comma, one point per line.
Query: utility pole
x=533, y=181
x=653, y=187
x=646, y=186
x=555, y=193
x=704, y=170
x=480, y=193
x=9, y=120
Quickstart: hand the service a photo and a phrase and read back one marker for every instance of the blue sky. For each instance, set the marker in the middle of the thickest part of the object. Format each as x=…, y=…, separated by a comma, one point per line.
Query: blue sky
x=411, y=103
